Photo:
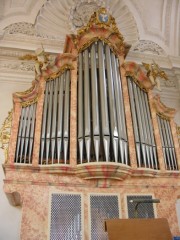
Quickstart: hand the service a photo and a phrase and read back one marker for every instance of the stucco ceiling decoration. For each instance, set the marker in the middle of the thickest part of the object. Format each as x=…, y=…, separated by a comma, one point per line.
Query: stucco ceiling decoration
x=21, y=28
x=148, y=47
x=58, y=18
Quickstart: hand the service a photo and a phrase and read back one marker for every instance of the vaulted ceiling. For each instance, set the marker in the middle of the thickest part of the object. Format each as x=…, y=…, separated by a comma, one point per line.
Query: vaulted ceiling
x=149, y=25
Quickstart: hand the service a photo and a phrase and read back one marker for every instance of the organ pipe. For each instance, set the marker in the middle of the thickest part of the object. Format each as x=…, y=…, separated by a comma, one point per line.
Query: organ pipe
x=142, y=125
x=25, y=135
x=104, y=135
x=55, y=124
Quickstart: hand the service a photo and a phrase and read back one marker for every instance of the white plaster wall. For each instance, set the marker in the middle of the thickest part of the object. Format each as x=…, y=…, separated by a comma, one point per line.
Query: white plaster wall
x=10, y=217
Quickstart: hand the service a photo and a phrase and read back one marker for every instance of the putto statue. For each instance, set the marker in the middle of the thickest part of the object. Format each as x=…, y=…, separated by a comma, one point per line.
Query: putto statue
x=154, y=72
x=41, y=58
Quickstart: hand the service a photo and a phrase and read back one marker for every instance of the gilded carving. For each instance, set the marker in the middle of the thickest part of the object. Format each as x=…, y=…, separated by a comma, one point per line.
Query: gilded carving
x=135, y=71
x=41, y=58
x=178, y=133
x=59, y=72
x=102, y=19
x=5, y=134
x=154, y=72
x=29, y=96
x=101, y=26
x=162, y=110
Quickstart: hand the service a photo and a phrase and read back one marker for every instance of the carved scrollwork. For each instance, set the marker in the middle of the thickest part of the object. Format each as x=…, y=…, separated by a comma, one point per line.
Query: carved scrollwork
x=5, y=134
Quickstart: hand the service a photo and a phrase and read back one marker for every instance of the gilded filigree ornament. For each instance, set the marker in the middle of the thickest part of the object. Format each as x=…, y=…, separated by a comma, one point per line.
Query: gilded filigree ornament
x=154, y=72
x=22, y=94
x=135, y=79
x=162, y=110
x=59, y=72
x=178, y=133
x=101, y=26
x=102, y=19
x=30, y=102
x=5, y=134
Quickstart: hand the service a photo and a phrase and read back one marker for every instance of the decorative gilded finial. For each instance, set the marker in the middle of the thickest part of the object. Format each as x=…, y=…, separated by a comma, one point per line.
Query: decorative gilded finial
x=101, y=18
x=154, y=72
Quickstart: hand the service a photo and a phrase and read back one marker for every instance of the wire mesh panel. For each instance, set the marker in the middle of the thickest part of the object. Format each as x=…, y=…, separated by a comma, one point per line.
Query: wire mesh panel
x=144, y=210
x=102, y=207
x=66, y=217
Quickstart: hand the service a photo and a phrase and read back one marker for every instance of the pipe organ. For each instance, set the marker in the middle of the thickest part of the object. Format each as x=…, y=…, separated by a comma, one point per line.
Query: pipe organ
x=86, y=135
x=101, y=120
x=55, y=123
x=143, y=128
x=25, y=138
x=167, y=143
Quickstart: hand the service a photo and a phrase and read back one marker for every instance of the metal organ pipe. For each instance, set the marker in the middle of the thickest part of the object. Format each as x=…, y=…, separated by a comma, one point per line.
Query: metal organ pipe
x=104, y=105
x=60, y=115
x=101, y=126
x=87, y=117
x=55, y=124
x=66, y=115
x=112, y=104
x=80, y=108
x=95, y=102
x=167, y=144
x=25, y=135
x=143, y=131
x=123, y=141
x=167, y=123
x=135, y=119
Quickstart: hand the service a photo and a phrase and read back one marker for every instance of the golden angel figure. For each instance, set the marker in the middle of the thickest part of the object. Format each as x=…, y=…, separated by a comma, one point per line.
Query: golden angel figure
x=41, y=59
x=154, y=73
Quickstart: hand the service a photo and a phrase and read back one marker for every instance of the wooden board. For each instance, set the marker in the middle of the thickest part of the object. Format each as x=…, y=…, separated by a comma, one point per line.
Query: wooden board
x=138, y=229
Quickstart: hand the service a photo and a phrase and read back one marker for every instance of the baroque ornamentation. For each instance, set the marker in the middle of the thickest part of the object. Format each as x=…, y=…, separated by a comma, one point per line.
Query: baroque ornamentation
x=162, y=110
x=23, y=66
x=81, y=13
x=101, y=26
x=28, y=97
x=178, y=133
x=170, y=83
x=148, y=46
x=41, y=58
x=21, y=28
x=135, y=71
x=154, y=73
x=5, y=134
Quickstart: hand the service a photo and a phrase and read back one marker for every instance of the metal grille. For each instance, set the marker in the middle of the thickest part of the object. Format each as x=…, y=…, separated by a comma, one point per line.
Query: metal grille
x=144, y=210
x=143, y=128
x=66, y=217
x=55, y=123
x=102, y=134
x=25, y=137
x=167, y=144
x=102, y=207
